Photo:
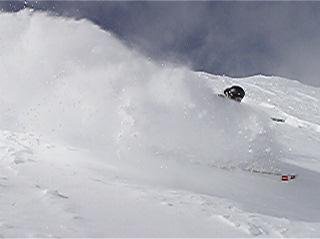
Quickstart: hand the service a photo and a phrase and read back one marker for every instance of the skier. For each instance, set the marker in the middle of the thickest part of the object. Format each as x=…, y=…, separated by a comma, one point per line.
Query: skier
x=234, y=92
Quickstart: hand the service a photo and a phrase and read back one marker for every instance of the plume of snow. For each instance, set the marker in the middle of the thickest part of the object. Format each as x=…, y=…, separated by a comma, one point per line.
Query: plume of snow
x=72, y=81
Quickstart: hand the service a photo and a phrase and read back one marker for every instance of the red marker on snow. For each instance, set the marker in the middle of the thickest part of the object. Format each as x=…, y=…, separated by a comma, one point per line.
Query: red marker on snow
x=287, y=177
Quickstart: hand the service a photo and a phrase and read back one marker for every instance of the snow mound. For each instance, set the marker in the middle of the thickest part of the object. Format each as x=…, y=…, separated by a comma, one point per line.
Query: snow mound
x=72, y=81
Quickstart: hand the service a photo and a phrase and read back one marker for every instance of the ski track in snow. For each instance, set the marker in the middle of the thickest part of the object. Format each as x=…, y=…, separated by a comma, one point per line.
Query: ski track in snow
x=56, y=199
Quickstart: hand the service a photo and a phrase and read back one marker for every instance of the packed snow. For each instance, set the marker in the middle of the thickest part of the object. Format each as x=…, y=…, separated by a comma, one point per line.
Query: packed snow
x=97, y=140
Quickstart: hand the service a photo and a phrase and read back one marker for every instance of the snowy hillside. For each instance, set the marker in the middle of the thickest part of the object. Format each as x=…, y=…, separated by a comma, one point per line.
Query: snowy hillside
x=98, y=140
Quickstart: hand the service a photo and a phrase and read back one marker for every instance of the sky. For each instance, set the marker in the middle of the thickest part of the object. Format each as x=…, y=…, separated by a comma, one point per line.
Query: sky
x=227, y=38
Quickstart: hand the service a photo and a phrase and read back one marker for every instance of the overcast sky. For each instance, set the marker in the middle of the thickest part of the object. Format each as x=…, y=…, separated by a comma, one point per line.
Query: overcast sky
x=232, y=38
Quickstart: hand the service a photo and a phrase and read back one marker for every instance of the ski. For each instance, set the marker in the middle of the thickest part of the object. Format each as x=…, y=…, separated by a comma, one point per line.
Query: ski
x=283, y=177
x=278, y=120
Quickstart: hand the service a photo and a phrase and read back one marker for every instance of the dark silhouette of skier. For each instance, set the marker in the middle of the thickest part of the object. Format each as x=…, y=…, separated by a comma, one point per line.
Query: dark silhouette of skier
x=234, y=92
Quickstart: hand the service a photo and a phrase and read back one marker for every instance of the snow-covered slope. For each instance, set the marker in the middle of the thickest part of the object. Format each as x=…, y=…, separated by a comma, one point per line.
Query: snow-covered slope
x=97, y=140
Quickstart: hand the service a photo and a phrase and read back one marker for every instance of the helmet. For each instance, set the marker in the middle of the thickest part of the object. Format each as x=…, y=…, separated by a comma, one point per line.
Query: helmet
x=235, y=92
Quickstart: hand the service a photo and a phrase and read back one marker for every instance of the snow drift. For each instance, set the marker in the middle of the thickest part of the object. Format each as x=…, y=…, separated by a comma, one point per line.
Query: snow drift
x=73, y=81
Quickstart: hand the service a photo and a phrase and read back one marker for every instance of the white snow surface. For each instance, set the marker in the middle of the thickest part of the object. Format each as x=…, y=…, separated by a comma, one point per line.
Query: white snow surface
x=96, y=140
